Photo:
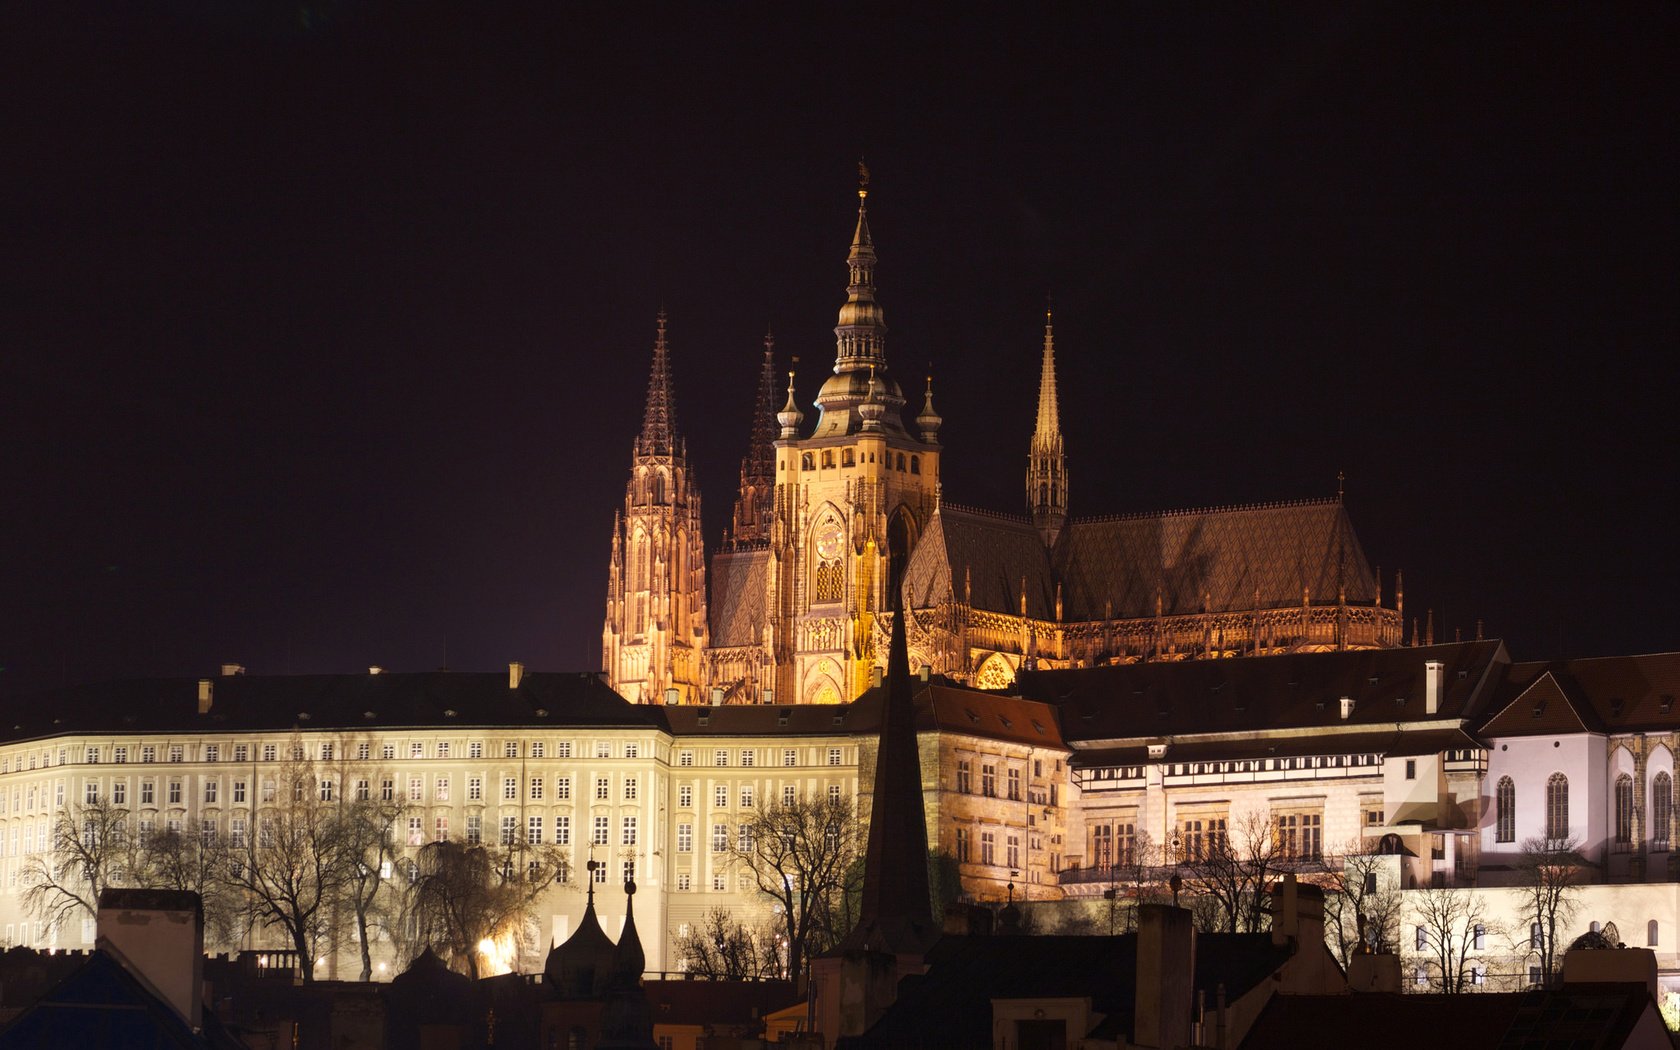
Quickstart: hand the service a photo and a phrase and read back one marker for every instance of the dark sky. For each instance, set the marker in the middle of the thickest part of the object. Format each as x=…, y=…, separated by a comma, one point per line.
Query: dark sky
x=327, y=326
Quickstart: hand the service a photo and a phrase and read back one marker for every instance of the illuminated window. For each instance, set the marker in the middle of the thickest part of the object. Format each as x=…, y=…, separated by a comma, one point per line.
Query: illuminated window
x=1662, y=810
x=1624, y=810
x=1505, y=811
x=1557, y=807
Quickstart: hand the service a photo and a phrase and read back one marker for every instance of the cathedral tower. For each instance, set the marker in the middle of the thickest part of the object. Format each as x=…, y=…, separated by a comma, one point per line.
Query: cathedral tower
x=1047, y=481
x=851, y=500
x=656, y=586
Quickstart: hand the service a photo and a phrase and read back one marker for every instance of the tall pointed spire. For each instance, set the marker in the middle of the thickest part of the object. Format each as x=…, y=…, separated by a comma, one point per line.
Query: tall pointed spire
x=1047, y=480
x=659, y=419
x=896, y=912
x=860, y=336
x=754, y=500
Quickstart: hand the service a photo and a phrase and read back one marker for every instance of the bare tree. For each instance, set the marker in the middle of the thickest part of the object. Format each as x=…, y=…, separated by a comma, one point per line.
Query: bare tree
x=722, y=949
x=461, y=895
x=173, y=860
x=293, y=867
x=368, y=824
x=1362, y=904
x=90, y=850
x=1453, y=926
x=799, y=854
x=1234, y=868
x=1552, y=870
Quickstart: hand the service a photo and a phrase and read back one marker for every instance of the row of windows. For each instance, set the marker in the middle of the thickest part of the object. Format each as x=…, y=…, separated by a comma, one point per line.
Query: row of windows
x=325, y=751
x=748, y=756
x=848, y=458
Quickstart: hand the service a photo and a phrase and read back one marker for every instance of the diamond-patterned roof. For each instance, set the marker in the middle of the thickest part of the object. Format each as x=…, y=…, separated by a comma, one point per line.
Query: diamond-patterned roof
x=738, y=593
x=1223, y=556
x=994, y=551
x=1115, y=566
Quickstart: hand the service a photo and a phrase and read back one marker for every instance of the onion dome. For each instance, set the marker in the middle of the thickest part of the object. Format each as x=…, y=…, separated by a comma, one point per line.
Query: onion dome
x=629, y=960
x=581, y=968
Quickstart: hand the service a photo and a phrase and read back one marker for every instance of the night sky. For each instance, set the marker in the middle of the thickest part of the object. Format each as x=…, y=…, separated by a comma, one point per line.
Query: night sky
x=326, y=327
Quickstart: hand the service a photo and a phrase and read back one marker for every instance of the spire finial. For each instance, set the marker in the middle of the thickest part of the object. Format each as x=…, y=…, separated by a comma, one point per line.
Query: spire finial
x=659, y=419
x=863, y=180
x=1341, y=478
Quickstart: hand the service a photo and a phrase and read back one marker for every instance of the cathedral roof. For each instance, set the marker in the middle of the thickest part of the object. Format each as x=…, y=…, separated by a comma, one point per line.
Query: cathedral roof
x=739, y=579
x=1202, y=560
x=987, y=556
x=1211, y=560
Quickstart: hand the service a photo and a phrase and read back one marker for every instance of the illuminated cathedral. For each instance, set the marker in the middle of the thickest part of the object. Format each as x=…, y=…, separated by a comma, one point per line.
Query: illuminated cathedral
x=835, y=514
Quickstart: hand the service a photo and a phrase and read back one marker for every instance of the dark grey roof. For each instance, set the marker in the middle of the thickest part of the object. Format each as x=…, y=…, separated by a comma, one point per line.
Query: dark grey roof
x=1293, y=691
x=265, y=703
x=102, y=1004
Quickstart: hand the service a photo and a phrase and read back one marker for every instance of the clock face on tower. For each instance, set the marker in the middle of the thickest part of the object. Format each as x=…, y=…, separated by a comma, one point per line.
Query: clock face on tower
x=828, y=540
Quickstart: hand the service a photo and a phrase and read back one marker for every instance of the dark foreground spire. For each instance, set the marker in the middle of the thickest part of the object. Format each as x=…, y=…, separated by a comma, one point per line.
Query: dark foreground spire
x=897, y=910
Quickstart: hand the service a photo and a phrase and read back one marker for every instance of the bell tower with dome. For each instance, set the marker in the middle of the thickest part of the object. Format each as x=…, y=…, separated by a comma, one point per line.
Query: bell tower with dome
x=853, y=495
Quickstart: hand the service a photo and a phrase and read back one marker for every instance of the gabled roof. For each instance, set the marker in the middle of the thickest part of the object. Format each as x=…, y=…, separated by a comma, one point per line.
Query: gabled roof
x=739, y=587
x=989, y=554
x=1544, y=707
x=342, y=702
x=951, y=1005
x=102, y=1004
x=1211, y=560
x=1266, y=693
x=1615, y=694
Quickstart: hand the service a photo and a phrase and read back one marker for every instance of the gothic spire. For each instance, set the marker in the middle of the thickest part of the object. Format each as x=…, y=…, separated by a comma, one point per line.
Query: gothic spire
x=754, y=498
x=1047, y=480
x=659, y=420
x=860, y=336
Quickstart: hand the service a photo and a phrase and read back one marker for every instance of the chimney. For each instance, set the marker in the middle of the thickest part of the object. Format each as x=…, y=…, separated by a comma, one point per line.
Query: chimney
x=925, y=672
x=158, y=936
x=229, y=670
x=516, y=674
x=877, y=675
x=769, y=695
x=1434, y=676
x=672, y=696
x=1612, y=966
x=1347, y=706
x=1166, y=969
x=206, y=695
x=1374, y=973
x=1297, y=913
x=717, y=697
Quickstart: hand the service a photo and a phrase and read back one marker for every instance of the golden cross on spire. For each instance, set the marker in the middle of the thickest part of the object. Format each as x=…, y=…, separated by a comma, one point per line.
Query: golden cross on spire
x=863, y=179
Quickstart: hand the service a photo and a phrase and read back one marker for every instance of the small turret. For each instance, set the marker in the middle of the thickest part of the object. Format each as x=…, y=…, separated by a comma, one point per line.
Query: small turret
x=929, y=420
x=790, y=417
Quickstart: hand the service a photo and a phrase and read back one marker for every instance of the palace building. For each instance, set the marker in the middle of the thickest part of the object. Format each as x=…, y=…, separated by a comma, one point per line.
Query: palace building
x=836, y=512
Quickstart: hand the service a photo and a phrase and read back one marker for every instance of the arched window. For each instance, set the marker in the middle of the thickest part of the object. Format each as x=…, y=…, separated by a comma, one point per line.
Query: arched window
x=901, y=461
x=1557, y=807
x=847, y=459
x=1624, y=810
x=1662, y=810
x=1651, y=934
x=1505, y=810
x=827, y=458
x=915, y=464
x=806, y=462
